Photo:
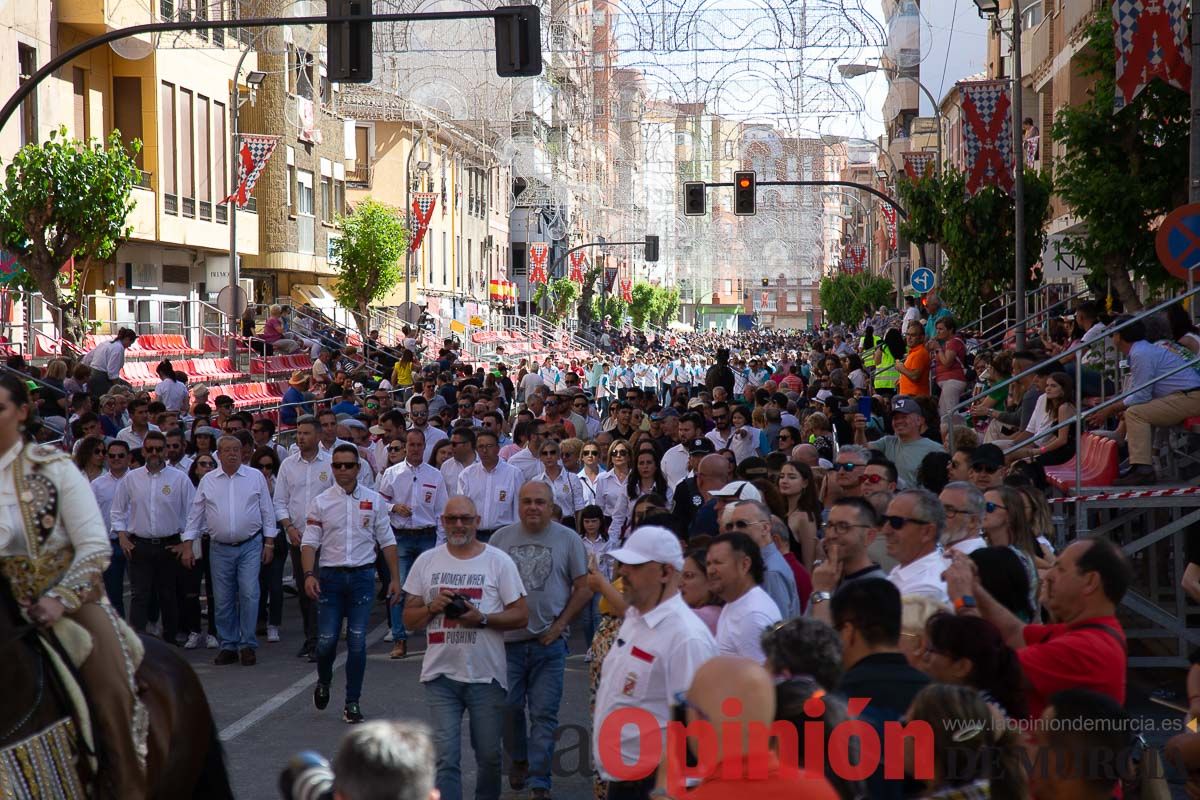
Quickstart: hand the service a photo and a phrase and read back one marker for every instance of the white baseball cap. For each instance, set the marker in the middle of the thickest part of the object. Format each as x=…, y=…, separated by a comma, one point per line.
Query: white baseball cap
x=650, y=543
x=739, y=490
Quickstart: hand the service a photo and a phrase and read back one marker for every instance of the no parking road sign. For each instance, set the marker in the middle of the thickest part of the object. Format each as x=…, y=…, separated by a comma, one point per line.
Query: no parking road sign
x=923, y=280
x=1178, y=241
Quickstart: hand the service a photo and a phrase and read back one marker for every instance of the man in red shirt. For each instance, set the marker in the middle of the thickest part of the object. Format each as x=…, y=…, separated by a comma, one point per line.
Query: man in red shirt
x=1085, y=649
x=733, y=694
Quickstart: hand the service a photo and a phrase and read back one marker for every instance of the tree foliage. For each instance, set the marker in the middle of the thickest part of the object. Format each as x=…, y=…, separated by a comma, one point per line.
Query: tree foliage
x=66, y=199
x=561, y=293
x=368, y=256
x=844, y=295
x=1120, y=172
x=652, y=304
x=612, y=306
x=976, y=233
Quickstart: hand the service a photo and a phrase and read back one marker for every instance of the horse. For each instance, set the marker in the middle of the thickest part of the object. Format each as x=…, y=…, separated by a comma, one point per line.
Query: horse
x=183, y=747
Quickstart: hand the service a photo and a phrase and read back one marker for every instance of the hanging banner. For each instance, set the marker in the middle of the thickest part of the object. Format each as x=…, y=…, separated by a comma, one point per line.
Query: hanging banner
x=627, y=291
x=538, y=252
x=422, y=209
x=916, y=164
x=856, y=258
x=578, y=259
x=889, y=217
x=253, y=155
x=1151, y=40
x=987, y=135
x=610, y=278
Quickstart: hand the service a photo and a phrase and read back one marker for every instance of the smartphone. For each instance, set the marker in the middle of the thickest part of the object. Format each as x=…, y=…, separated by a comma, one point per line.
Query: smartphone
x=864, y=408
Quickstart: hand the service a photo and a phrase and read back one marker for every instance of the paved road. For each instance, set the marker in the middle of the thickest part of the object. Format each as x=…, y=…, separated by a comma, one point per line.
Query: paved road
x=265, y=713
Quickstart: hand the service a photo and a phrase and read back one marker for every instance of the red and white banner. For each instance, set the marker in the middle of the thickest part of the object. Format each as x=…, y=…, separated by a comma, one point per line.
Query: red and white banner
x=889, y=216
x=1151, y=39
x=422, y=208
x=252, y=157
x=916, y=164
x=856, y=258
x=610, y=279
x=987, y=134
x=627, y=290
x=578, y=259
x=538, y=252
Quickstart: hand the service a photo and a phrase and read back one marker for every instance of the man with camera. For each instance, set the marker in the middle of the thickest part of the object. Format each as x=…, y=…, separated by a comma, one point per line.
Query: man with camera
x=346, y=522
x=467, y=594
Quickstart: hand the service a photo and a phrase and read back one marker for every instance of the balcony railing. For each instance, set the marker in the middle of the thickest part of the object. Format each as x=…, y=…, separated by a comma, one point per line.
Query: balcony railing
x=143, y=181
x=1075, y=15
x=222, y=210
x=171, y=203
x=1041, y=52
x=360, y=174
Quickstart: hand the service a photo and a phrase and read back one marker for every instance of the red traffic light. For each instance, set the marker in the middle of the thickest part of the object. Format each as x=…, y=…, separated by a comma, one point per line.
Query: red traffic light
x=744, y=183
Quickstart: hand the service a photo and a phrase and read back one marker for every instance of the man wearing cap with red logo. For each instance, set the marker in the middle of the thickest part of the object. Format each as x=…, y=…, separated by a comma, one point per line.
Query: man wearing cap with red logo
x=660, y=646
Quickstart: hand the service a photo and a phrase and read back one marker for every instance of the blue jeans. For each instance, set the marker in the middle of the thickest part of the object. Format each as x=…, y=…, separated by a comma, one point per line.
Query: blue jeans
x=448, y=699
x=235, y=588
x=535, y=676
x=345, y=593
x=589, y=619
x=114, y=578
x=408, y=547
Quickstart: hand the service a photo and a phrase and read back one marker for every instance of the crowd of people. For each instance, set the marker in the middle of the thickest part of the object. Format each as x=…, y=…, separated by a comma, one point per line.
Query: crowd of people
x=776, y=516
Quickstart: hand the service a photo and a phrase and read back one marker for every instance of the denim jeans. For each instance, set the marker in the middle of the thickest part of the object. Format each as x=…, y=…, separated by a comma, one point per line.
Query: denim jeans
x=448, y=699
x=589, y=619
x=408, y=547
x=345, y=593
x=535, y=678
x=235, y=588
x=114, y=578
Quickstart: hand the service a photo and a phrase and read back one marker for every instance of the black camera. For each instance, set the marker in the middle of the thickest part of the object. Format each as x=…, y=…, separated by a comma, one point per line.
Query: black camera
x=457, y=606
x=307, y=776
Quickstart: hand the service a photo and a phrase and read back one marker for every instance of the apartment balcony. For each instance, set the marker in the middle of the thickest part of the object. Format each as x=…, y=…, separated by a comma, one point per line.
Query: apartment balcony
x=1040, y=49
x=1076, y=15
x=99, y=16
x=359, y=176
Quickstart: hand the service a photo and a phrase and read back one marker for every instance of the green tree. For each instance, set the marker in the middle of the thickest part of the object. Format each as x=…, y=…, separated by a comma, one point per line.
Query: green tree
x=843, y=296
x=644, y=296
x=1120, y=172
x=612, y=306
x=561, y=294
x=976, y=232
x=65, y=199
x=368, y=257
x=668, y=306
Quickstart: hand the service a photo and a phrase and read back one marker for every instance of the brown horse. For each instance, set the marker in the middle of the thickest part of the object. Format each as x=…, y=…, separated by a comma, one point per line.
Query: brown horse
x=184, y=750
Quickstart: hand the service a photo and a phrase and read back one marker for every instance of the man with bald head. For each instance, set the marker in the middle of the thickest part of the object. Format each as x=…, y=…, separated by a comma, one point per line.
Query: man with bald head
x=736, y=695
x=552, y=562
x=712, y=473
x=806, y=454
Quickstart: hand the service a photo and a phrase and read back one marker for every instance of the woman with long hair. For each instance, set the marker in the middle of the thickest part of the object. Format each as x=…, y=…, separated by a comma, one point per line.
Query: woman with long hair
x=189, y=609
x=590, y=474
x=1005, y=525
x=89, y=457
x=402, y=371
x=441, y=453
x=1003, y=574
x=565, y=486
x=594, y=533
x=611, y=486
x=793, y=704
x=803, y=506
x=1059, y=448
x=270, y=576
x=695, y=590
x=203, y=442
x=970, y=651
x=1183, y=329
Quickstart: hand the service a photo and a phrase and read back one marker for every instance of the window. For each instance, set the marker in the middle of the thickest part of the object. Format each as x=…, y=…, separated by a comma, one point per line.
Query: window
x=127, y=113
x=166, y=10
x=301, y=68
x=445, y=251
x=187, y=156
x=306, y=221
x=326, y=199
x=172, y=273
x=220, y=167
x=291, y=180
x=218, y=12
x=458, y=259
x=339, y=197
x=204, y=154
x=168, y=147
x=79, y=92
x=201, y=13
x=27, y=65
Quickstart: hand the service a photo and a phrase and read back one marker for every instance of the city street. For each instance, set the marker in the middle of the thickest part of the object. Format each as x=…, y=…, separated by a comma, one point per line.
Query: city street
x=265, y=713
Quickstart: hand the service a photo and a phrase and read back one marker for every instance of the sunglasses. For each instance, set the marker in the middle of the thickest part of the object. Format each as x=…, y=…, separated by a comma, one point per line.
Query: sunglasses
x=897, y=522
x=847, y=467
x=549, y=452
x=591, y=452
x=344, y=465
x=206, y=464
x=117, y=454
x=151, y=450
x=988, y=468
x=989, y=507
x=873, y=479
x=99, y=451
x=616, y=453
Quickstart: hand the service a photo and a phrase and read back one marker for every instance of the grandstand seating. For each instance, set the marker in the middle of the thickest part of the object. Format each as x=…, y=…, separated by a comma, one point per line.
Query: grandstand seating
x=1098, y=465
x=280, y=365
x=199, y=370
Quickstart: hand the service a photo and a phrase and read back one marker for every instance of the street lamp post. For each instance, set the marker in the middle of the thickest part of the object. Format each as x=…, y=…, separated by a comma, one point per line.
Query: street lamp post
x=253, y=80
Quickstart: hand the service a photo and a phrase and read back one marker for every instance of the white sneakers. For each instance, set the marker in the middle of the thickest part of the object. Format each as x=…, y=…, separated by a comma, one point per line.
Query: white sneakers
x=194, y=640
x=211, y=642
x=387, y=637
x=272, y=633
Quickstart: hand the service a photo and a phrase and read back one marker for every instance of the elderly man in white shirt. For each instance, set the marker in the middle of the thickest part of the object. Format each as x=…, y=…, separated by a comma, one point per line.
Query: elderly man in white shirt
x=233, y=504
x=346, y=522
x=492, y=486
x=416, y=496
x=913, y=526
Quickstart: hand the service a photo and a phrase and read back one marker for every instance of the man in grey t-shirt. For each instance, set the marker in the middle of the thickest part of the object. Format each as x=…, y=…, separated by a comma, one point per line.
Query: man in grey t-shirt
x=907, y=447
x=552, y=562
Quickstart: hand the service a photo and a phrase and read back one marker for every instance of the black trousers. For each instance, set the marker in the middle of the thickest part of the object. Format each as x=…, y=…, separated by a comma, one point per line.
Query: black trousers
x=154, y=572
x=190, y=617
x=270, y=591
x=308, y=609
x=631, y=790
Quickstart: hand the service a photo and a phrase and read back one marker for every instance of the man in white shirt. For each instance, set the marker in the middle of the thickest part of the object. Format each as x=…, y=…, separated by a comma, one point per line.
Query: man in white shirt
x=149, y=511
x=104, y=488
x=233, y=505
x=492, y=485
x=419, y=421
x=302, y=476
x=735, y=570
x=550, y=374
x=753, y=518
x=675, y=461
x=660, y=645
x=346, y=522
x=106, y=362
x=467, y=594
x=528, y=460
x=177, y=456
x=139, y=424
x=462, y=443
x=722, y=435
x=416, y=495
x=964, y=507
x=913, y=526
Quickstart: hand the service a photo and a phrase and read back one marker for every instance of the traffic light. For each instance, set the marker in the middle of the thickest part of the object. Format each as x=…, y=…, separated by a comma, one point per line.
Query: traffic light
x=766, y=282
x=518, y=41
x=349, y=43
x=694, y=198
x=743, y=193
x=651, y=247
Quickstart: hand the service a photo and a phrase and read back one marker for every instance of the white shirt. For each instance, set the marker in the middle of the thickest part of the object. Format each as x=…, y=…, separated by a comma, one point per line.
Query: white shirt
x=366, y=477
x=450, y=472
x=231, y=508
x=491, y=582
x=108, y=358
x=719, y=440
x=529, y=464
x=105, y=488
x=298, y=482
x=132, y=438
x=611, y=495
x=742, y=622
x=969, y=545
x=744, y=447
x=152, y=505
x=172, y=394
x=493, y=493
x=346, y=527
x=589, y=486
x=568, y=491
x=675, y=464
x=922, y=577
x=911, y=314
x=422, y=488
x=654, y=657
